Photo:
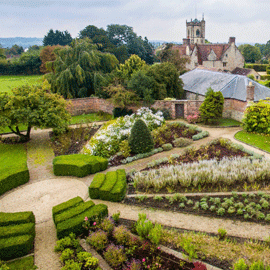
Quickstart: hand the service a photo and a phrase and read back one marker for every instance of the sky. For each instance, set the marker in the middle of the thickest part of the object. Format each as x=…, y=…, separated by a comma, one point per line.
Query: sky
x=247, y=20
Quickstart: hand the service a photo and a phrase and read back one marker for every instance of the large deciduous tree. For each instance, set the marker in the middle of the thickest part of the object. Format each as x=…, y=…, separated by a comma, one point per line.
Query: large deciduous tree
x=57, y=38
x=33, y=106
x=250, y=53
x=74, y=71
x=47, y=55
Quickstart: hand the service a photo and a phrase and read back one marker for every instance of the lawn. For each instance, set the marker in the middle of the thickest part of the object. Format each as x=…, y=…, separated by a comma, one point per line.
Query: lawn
x=258, y=140
x=225, y=122
x=9, y=82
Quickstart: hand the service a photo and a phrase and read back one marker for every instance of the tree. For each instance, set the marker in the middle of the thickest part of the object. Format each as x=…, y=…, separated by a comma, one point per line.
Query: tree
x=33, y=106
x=171, y=54
x=47, y=55
x=2, y=54
x=57, y=38
x=212, y=107
x=250, y=53
x=73, y=73
x=31, y=61
x=15, y=50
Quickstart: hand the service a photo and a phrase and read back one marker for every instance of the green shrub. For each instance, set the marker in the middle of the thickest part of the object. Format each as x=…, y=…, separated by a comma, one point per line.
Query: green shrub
x=118, y=112
x=108, y=184
x=115, y=256
x=121, y=235
x=15, y=247
x=118, y=192
x=72, y=212
x=74, y=225
x=265, y=77
x=200, y=135
x=96, y=184
x=140, y=139
x=182, y=142
x=222, y=233
x=16, y=230
x=212, y=107
x=21, y=264
x=66, y=205
x=257, y=67
x=98, y=240
x=257, y=266
x=124, y=148
x=7, y=219
x=167, y=147
x=257, y=117
x=78, y=165
x=240, y=265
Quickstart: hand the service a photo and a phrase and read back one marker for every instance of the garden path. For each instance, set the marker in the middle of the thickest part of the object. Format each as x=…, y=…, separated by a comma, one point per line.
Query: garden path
x=43, y=191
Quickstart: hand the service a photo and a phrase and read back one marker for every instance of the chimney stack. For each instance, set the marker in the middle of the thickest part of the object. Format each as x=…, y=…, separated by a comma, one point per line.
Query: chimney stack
x=232, y=40
x=250, y=92
x=186, y=41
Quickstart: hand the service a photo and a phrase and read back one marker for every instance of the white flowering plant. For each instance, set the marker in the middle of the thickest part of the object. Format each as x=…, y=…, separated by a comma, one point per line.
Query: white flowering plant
x=106, y=141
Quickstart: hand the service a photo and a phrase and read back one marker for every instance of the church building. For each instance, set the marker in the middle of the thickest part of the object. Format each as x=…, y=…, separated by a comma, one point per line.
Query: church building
x=221, y=57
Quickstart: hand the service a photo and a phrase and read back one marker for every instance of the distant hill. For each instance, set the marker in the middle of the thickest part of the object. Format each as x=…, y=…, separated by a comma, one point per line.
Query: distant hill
x=21, y=41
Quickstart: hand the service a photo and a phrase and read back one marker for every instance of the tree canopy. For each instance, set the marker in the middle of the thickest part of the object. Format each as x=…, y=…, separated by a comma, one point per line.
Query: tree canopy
x=33, y=106
x=75, y=68
x=250, y=53
x=57, y=38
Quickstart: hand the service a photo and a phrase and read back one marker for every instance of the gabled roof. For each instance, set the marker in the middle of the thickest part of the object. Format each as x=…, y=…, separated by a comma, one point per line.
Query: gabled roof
x=230, y=85
x=241, y=71
x=205, y=49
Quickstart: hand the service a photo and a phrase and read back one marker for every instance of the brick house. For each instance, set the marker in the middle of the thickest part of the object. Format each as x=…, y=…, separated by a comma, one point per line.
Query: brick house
x=237, y=90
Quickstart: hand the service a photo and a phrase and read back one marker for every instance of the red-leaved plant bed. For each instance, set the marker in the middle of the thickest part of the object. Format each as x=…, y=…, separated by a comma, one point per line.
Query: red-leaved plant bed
x=124, y=250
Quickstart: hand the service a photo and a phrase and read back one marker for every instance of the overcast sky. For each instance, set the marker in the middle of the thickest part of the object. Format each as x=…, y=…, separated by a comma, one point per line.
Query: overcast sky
x=247, y=20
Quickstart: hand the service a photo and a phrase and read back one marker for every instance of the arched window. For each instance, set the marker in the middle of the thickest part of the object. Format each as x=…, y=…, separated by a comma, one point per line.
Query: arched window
x=188, y=34
x=198, y=33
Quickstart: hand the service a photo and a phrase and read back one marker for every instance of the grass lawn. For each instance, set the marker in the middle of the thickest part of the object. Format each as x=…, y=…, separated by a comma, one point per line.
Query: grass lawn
x=26, y=263
x=8, y=82
x=257, y=140
x=227, y=122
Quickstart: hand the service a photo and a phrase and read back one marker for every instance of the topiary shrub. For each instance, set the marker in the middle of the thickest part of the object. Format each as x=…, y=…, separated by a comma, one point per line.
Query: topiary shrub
x=140, y=139
x=212, y=107
x=182, y=142
x=167, y=147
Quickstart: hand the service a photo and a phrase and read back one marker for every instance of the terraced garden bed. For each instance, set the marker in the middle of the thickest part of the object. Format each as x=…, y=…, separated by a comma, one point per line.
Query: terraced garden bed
x=244, y=207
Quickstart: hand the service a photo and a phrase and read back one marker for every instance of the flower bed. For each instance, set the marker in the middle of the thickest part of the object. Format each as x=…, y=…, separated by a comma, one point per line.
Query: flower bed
x=244, y=207
x=106, y=141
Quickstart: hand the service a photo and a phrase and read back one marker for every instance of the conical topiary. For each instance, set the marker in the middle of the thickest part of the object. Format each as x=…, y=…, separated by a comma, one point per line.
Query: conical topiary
x=140, y=139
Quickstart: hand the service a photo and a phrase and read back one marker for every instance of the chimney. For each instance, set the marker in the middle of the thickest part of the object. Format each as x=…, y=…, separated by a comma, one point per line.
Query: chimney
x=186, y=41
x=232, y=40
x=250, y=92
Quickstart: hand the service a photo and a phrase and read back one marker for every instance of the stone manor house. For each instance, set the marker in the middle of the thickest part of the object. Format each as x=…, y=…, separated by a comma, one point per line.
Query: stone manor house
x=221, y=57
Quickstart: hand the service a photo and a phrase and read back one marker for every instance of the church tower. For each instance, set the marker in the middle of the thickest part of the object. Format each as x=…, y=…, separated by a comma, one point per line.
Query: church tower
x=196, y=31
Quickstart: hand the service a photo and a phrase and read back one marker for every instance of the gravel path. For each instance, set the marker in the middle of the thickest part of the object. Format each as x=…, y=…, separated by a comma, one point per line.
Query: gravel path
x=44, y=191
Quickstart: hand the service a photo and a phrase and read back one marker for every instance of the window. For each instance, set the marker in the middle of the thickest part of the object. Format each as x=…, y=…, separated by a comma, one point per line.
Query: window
x=224, y=64
x=198, y=33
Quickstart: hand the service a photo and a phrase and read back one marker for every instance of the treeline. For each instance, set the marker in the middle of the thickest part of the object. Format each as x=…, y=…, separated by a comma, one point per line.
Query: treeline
x=119, y=40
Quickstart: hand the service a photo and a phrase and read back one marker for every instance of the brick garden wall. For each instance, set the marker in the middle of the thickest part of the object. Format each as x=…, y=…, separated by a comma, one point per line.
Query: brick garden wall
x=232, y=108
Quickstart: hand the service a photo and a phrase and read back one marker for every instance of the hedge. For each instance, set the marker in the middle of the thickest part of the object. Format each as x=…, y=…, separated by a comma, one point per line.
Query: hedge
x=13, y=177
x=265, y=77
x=109, y=187
x=72, y=212
x=96, y=184
x=16, y=218
x=66, y=205
x=15, y=247
x=78, y=165
x=16, y=230
x=74, y=225
x=257, y=67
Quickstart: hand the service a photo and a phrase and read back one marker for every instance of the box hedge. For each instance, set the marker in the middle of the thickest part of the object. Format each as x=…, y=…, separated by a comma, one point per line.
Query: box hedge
x=75, y=224
x=13, y=177
x=257, y=67
x=16, y=218
x=78, y=165
x=15, y=247
x=109, y=187
x=16, y=230
x=66, y=205
x=96, y=184
x=72, y=212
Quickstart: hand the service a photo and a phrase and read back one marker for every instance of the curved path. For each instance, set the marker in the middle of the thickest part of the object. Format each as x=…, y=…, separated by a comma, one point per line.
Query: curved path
x=44, y=190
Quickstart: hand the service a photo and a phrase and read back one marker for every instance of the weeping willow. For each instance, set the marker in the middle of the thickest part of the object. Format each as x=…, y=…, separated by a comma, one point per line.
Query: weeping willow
x=73, y=73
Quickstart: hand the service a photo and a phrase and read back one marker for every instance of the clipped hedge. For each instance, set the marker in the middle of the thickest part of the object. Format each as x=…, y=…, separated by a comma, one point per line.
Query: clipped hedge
x=72, y=212
x=15, y=247
x=16, y=230
x=66, y=205
x=257, y=67
x=74, y=225
x=200, y=135
x=109, y=187
x=265, y=77
x=96, y=184
x=78, y=165
x=7, y=219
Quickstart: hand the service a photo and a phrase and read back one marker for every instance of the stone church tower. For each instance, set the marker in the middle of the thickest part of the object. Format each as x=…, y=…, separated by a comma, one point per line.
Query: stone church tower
x=196, y=31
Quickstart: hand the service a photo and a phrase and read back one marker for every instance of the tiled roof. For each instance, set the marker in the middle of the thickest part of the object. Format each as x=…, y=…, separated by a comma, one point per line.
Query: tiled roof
x=231, y=86
x=205, y=49
x=241, y=71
